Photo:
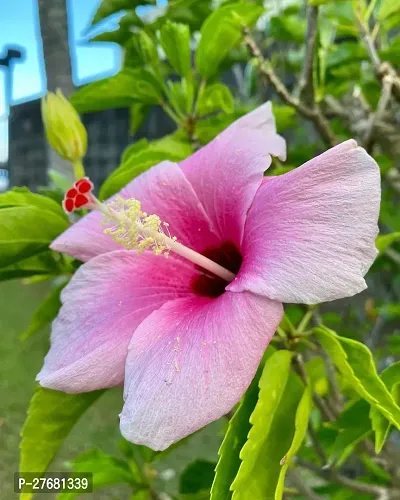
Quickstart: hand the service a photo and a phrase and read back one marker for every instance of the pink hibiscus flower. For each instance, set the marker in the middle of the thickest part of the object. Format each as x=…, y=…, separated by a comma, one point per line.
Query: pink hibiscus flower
x=184, y=342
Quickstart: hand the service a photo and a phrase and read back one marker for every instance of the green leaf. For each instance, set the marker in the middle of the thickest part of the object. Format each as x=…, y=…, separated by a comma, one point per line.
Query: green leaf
x=384, y=241
x=133, y=148
x=322, y=2
x=175, y=40
x=383, y=160
x=333, y=491
x=326, y=32
x=288, y=28
x=137, y=114
x=131, y=19
x=124, y=32
x=316, y=373
x=146, y=87
x=19, y=197
x=392, y=52
x=301, y=423
x=187, y=90
x=391, y=378
x=200, y=495
x=285, y=116
x=390, y=214
x=250, y=79
x=170, y=147
x=273, y=428
x=394, y=344
x=180, y=96
x=51, y=416
x=106, y=469
x=46, y=312
x=108, y=93
x=127, y=171
x=143, y=494
x=190, y=12
x=344, y=71
x=377, y=470
x=341, y=13
x=346, y=53
x=55, y=194
x=196, y=477
x=119, y=36
x=131, y=56
x=237, y=55
x=354, y=361
x=118, y=91
x=216, y=97
x=392, y=22
x=235, y=438
x=294, y=313
x=43, y=264
x=147, y=454
x=221, y=31
x=371, y=90
x=27, y=230
x=388, y=8
x=146, y=49
x=108, y=7
x=208, y=128
x=353, y=426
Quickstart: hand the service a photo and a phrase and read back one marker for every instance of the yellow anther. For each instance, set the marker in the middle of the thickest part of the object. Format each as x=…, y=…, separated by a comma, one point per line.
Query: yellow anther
x=129, y=226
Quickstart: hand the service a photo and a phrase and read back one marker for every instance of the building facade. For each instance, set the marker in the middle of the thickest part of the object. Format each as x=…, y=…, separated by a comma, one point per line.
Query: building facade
x=4, y=180
x=108, y=136
x=27, y=162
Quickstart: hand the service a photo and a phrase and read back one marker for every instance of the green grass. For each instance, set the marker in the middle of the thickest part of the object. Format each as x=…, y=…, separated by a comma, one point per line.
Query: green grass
x=20, y=362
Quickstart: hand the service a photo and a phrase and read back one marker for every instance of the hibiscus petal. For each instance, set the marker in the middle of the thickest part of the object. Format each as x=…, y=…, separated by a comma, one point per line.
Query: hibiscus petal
x=102, y=305
x=262, y=118
x=85, y=239
x=310, y=234
x=190, y=362
x=162, y=190
x=228, y=171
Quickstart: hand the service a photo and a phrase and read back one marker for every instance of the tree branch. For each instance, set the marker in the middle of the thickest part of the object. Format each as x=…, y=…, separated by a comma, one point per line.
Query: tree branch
x=336, y=109
x=306, y=82
x=380, y=492
x=325, y=410
x=312, y=113
x=337, y=399
x=297, y=481
x=382, y=69
x=386, y=93
x=317, y=446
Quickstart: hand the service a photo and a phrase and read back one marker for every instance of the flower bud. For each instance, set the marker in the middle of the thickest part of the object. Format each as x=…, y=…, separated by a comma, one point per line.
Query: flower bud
x=64, y=130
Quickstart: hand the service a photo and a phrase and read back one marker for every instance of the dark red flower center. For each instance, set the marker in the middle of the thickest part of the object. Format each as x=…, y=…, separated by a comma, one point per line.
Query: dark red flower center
x=209, y=285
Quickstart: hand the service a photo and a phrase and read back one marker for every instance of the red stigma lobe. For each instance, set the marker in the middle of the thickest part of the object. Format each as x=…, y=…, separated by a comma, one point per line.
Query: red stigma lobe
x=71, y=193
x=68, y=205
x=83, y=185
x=78, y=196
x=80, y=201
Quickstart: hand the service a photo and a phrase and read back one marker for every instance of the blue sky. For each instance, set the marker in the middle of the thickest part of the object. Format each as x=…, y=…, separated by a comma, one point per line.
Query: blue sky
x=19, y=24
